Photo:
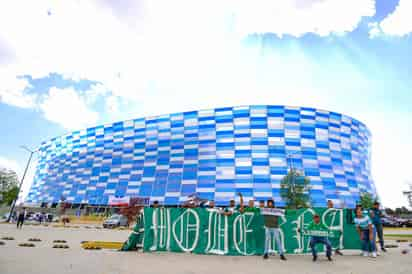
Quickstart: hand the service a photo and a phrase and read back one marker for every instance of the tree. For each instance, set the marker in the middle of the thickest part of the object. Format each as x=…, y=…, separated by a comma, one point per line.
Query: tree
x=8, y=186
x=10, y=195
x=132, y=210
x=404, y=211
x=295, y=190
x=366, y=200
x=389, y=211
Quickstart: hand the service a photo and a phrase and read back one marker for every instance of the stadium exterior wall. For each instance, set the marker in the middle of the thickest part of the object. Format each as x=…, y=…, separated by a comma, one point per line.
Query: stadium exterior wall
x=215, y=153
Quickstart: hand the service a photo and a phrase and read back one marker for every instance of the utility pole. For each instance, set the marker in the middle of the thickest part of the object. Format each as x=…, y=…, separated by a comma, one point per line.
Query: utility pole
x=408, y=194
x=21, y=182
x=292, y=171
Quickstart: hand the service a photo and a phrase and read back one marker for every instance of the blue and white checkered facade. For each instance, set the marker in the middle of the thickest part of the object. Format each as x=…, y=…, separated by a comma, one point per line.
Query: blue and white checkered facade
x=215, y=153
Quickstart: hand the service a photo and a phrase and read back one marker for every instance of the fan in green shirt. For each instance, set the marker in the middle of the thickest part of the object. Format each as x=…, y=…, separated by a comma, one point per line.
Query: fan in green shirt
x=318, y=226
x=250, y=208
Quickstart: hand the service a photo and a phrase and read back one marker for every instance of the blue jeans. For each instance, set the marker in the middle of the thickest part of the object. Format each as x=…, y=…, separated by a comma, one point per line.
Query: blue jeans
x=275, y=233
x=314, y=240
x=379, y=231
x=367, y=244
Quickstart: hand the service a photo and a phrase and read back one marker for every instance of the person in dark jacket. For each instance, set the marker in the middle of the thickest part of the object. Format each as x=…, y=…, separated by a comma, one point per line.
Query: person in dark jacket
x=20, y=218
x=377, y=222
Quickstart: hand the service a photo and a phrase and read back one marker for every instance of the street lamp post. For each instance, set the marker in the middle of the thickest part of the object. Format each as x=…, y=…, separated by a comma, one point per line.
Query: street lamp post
x=21, y=182
x=292, y=173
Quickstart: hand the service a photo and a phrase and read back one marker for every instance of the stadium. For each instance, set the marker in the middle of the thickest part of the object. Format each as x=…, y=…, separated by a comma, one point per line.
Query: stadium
x=215, y=153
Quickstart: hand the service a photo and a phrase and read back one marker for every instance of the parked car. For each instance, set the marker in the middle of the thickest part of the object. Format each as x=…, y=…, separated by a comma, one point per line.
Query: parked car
x=115, y=220
x=402, y=222
x=389, y=222
x=56, y=219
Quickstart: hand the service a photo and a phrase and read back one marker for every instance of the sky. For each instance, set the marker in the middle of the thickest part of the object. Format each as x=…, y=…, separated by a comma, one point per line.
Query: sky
x=67, y=65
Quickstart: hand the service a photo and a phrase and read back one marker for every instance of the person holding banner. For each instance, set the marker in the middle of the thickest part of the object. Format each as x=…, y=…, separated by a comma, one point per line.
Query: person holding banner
x=249, y=208
x=319, y=235
x=231, y=209
x=271, y=220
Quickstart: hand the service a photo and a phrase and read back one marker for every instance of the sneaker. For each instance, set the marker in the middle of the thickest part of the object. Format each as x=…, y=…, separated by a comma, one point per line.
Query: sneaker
x=365, y=254
x=266, y=256
x=373, y=254
x=315, y=258
x=283, y=258
x=329, y=258
x=338, y=252
x=383, y=249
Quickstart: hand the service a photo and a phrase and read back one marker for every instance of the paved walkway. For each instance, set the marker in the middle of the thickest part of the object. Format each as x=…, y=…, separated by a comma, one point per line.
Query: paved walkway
x=43, y=259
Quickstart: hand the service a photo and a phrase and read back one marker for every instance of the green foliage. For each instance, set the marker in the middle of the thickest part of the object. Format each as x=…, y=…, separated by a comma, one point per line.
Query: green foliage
x=295, y=190
x=389, y=211
x=366, y=200
x=8, y=186
x=10, y=195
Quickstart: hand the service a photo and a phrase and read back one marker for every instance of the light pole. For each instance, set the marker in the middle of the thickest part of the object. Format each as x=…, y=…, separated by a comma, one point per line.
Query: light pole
x=21, y=182
x=292, y=173
x=408, y=194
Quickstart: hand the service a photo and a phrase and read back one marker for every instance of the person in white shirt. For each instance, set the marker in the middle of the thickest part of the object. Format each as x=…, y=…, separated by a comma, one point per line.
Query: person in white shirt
x=365, y=229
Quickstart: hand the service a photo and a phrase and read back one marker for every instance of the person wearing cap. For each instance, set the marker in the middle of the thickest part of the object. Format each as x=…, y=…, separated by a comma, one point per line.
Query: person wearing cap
x=271, y=218
x=155, y=204
x=318, y=226
x=364, y=227
x=231, y=209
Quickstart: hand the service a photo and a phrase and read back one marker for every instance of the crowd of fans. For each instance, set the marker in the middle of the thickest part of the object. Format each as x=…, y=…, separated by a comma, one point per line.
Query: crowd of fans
x=368, y=224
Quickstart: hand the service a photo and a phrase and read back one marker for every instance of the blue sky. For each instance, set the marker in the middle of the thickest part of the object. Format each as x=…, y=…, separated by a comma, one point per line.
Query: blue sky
x=138, y=58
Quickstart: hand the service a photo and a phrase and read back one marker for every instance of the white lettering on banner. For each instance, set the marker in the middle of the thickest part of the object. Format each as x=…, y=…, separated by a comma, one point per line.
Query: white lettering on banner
x=300, y=225
x=273, y=212
x=244, y=222
x=332, y=226
x=217, y=235
x=161, y=228
x=185, y=229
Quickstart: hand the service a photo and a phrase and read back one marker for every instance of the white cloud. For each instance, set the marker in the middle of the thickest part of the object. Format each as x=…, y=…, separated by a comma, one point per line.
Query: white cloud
x=374, y=30
x=67, y=108
x=9, y=164
x=298, y=17
x=112, y=104
x=12, y=90
x=391, y=150
x=398, y=23
x=168, y=39
x=95, y=92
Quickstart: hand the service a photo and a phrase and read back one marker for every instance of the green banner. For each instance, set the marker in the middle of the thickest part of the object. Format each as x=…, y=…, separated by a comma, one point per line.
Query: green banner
x=208, y=231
